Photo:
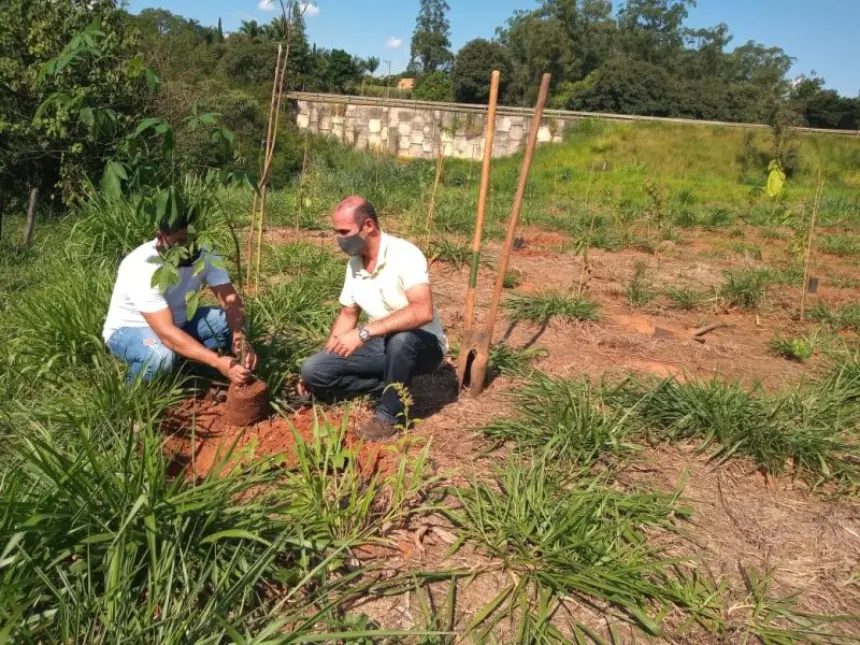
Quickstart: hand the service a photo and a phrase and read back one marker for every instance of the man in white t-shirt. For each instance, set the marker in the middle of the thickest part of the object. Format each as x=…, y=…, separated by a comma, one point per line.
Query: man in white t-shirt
x=148, y=328
x=388, y=279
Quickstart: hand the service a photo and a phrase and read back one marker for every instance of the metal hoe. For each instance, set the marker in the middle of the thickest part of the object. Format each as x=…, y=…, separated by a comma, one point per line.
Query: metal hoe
x=475, y=351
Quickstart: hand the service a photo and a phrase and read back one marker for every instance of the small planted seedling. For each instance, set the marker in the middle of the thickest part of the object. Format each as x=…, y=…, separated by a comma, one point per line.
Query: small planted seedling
x=543, y=307
x=794, y=349
x=513, y=279
x=745, y=288
x=639, y=291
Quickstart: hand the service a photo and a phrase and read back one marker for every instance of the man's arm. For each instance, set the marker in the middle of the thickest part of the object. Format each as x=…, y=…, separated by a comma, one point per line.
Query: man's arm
x=347, y=321
x=183, y=344
x=233, y=306
x=417, y=313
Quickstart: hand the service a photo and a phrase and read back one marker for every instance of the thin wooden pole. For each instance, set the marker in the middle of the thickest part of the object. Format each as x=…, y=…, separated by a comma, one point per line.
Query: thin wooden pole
x=489, y=139
x=300, y=204
x=432, y=207
x=505, y=255
x=809, y=242
x=31, y=216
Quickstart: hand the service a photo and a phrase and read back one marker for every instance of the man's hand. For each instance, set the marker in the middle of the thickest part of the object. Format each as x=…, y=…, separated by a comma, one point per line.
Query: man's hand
x=346, y=344
x=234, y=370
x=241, y=347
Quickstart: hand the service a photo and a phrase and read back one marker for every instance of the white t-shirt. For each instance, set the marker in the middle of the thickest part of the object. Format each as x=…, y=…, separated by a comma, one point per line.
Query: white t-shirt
x=401, y=265
x=134, y=295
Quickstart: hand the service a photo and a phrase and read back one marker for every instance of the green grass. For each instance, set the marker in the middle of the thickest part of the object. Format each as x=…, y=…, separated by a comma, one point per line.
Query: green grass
x=845, y=282
x=639, y=290
x=846, y=317
x=684, y=298
x=745, y=288
x=513, y=278
x=513, y=361
x=561, y=535
x=843, y=245
x=546, y=306
x=457, y=254
x=566, y=419
x=795, y=349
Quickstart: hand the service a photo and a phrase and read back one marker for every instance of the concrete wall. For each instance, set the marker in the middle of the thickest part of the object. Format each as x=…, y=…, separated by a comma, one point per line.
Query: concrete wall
x=417, y=130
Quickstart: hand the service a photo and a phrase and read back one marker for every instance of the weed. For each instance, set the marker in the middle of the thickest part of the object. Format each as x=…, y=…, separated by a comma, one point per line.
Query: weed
x=572, y=536
x=683, y=298
x=456, y=254
x=744, y=249
x=846, y=317
x=566, y=419
x=745, y=288
x=510, y=361
x=513, y=278
x=843, y=245
x=639, y=291
x=543, y=307
x=795, y=349
x=845, y=282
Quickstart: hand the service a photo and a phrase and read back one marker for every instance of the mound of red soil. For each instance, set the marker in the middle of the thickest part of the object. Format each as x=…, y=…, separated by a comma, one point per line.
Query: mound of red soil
x=200, y=437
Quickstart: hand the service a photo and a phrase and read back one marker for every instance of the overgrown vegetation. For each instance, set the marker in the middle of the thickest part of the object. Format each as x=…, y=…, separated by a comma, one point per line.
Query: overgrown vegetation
x=543, y=307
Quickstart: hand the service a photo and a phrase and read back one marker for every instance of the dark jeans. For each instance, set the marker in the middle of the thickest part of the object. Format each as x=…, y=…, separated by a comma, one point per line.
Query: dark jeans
x=372, y=368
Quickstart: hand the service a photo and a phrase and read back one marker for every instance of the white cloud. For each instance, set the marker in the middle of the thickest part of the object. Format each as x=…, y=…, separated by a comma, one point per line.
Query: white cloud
x=309, y=9
x=393, y=43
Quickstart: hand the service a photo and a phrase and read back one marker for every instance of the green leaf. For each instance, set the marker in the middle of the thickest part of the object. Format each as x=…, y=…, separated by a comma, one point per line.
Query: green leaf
x=776, y=180
x=235, y=534
x=192, y=301
x=148, y=123
x=151, y=81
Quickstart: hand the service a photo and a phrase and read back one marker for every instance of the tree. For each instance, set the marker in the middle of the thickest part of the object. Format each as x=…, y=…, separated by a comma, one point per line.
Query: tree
x=473, y=68
x=652, y=30
x=430, y=51
x=433, y=87
x=220, y=31
x=342, y=71
x=371, y=64
x=251, y=29
x=51, y=134
x=628, y=86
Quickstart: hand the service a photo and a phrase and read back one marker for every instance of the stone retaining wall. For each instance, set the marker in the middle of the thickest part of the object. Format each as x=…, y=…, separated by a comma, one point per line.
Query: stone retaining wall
x=416, y=132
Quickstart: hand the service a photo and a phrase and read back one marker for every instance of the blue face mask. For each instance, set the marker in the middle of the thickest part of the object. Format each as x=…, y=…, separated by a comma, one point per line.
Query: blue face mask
x=352, y=245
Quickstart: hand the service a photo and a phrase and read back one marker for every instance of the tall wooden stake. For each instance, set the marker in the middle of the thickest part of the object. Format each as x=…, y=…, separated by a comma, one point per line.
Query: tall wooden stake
x=432, y=206
x=300, y=204
x=809, y=242
x=31, y=216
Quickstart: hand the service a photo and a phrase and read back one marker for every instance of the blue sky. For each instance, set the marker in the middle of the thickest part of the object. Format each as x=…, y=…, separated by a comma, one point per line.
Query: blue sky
x=823, y=35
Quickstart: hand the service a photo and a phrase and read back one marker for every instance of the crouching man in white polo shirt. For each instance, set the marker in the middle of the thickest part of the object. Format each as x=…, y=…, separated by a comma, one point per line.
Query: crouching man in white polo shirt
x=388, y=279
x=147, y=328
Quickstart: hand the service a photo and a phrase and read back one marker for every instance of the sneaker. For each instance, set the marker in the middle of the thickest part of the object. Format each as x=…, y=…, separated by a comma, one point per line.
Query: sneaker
x=376, y=429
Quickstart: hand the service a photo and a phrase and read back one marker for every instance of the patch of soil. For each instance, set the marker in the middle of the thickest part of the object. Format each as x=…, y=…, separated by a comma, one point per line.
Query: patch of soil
x=247, y=405
x=201, y=439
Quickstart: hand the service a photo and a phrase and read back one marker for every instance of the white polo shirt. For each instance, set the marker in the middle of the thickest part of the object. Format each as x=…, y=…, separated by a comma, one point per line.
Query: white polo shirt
x=401, y=265
x=134, y=295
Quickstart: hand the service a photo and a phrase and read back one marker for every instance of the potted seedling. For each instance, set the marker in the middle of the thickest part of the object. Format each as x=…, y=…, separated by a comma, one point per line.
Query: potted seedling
x=247, y=404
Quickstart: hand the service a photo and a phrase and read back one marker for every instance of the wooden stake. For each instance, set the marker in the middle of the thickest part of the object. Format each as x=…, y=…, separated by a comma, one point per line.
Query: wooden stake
x=300, y=204
x=432, y=207
x=809, y=243
x=31, y=216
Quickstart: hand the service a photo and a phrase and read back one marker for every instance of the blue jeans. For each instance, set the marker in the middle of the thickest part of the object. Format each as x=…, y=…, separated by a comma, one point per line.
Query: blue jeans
x=372, y=368
x=146, y=356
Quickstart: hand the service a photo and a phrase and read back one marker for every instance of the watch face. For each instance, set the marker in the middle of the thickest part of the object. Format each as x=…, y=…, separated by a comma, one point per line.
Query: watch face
x=364, y=335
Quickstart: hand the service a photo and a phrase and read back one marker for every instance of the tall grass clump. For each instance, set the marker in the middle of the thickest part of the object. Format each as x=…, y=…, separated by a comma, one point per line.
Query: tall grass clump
x=683, y=298
x=543, y=307
x=846, y=317
x=568, y=419
x=745, y=288
x=572, y=537
x=811, y=429
x=100, y=545
x=843, y=244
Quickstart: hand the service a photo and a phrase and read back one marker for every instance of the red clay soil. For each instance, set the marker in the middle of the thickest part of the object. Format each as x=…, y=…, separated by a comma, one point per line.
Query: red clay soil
x=199, y=435
x=247, y=405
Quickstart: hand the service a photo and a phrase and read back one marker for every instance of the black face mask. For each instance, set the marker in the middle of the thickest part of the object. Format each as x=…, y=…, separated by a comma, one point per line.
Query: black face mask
x=352, y=245
x=191, y=259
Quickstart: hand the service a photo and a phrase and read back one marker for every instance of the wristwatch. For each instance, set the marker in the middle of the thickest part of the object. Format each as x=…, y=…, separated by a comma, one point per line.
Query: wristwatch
x=363, y=334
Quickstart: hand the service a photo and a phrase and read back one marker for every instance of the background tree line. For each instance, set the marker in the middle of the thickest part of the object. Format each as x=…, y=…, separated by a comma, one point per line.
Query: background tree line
x=639, y=59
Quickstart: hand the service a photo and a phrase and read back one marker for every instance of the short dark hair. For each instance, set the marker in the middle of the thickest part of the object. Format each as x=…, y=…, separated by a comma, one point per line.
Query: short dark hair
x=168, y=227
x=365, y=211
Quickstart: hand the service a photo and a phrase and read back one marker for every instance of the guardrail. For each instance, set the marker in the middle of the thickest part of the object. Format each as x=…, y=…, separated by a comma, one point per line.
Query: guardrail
x=562, y=115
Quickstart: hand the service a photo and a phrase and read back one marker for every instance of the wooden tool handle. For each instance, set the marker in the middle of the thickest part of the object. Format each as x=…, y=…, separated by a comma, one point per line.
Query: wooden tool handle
x=518, y=204
x=489, y=138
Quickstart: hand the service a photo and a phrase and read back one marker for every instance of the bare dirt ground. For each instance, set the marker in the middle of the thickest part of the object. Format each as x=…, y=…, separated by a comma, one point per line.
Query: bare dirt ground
x=740, y=519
